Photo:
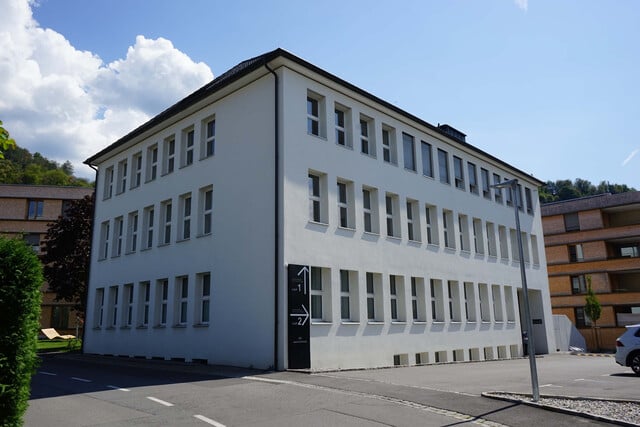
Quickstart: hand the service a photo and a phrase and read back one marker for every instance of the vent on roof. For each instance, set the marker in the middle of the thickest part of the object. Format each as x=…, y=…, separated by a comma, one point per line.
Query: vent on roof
x=452, y=132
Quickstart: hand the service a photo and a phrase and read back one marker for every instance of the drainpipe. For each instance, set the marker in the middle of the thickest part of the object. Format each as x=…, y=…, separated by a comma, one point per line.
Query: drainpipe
x=276, y=241
x=93, y=221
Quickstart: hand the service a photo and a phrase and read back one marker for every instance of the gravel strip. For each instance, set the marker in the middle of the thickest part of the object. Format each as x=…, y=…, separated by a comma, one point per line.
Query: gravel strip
x=625, y=412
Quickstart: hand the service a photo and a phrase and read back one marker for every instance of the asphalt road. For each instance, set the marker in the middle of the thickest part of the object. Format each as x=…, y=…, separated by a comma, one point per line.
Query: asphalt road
x=86, y=391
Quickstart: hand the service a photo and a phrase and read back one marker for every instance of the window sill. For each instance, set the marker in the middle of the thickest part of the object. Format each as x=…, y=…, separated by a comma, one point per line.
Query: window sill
x=352, y=229
x=471, y=322
x=145, y=249
x=398, y=322
x=180, y=326
x=416, y=242
x=130, y=252
x=149, y=180
x=369, y=155
x=201, y=325
x=345, y=146
x=141, y=327
x=419, y=322
x=324, y=224
x=349, y=322
x=125, y=327
x=203, y=235
x=160, y=327
x=390, y=163
x=97, y=328
x=411, y=170
x=433, y=245
x=375, y=322
x=427, y=176
x=320, y=323
x=450, y=249
x=511, y=322
x=185, y=166
x=371, y=233
x=320, y=137
x=455, y=322
x=110, y=328
x=393, y=238
x=163, y=174
x=485, y=322
x=163, y=245
x=438, y=322
x=115, y=256
x=465, y=251
x=183, y=240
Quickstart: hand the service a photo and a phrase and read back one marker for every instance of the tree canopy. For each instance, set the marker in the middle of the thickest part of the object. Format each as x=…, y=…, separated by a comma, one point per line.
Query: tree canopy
x=19, y=166
x=67, y=250
x=565, y=189
x=5, y=140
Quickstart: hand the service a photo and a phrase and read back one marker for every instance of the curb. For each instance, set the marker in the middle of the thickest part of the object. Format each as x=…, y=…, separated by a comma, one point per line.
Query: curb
x=497, y=395
x=594, y=354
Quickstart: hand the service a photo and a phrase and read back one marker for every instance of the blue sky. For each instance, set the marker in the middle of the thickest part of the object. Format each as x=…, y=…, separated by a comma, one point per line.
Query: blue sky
x=551, y=87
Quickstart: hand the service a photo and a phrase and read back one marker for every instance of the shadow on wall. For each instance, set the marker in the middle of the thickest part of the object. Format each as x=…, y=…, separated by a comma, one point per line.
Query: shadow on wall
x=566, y=334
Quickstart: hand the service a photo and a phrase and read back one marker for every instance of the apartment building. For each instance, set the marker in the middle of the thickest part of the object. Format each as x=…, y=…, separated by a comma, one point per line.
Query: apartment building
x=595, y=237
x=26, y=211
x=282, y=217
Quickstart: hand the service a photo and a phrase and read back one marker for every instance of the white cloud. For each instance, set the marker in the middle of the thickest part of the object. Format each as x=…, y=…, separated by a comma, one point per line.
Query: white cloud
x=522, y=4
x=630, y=156
x=66, y=103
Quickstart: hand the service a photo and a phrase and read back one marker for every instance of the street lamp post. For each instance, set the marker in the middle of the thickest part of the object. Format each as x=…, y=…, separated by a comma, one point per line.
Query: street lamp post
x=512, y=185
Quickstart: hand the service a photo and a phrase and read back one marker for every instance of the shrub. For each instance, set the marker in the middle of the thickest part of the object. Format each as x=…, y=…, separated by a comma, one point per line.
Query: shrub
x=20, y=281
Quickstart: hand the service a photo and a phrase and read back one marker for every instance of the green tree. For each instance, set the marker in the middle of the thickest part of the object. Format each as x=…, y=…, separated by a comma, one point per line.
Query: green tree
x=6, y=141
x=20, y=281
x=67, y=248
x=593, y=310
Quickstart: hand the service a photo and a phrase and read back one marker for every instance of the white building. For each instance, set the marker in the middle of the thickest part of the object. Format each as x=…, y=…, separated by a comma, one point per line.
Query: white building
x=207, y=214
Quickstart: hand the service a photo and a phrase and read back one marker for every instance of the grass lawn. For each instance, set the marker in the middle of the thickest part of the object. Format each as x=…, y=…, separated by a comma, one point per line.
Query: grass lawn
x=58, y=345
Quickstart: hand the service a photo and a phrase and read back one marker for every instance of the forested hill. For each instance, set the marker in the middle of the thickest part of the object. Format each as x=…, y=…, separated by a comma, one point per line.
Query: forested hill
x=565, y=189
x=19, y=166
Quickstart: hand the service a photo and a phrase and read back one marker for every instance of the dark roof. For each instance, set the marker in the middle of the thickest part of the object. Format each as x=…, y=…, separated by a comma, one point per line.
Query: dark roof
x=43, y=191
x=250, y=65
x=599, y=201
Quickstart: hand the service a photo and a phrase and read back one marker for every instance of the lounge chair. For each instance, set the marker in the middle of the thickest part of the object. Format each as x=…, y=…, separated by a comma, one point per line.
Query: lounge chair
x=52, y=334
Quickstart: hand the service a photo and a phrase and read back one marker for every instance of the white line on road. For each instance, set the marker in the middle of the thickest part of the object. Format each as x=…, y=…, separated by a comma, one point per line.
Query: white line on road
x=550, y=385
x=47, y=373
x=162, y=402
x=84, y=380
x=209, y=421
x=115, y=387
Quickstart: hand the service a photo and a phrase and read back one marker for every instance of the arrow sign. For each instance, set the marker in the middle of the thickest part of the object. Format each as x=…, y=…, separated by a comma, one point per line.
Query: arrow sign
x=305, y=272
x=302, y=317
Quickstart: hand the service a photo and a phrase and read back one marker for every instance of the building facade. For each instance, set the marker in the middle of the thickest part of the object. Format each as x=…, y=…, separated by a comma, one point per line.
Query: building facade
x=26, y=211
x=282, y=217
x=595, y=239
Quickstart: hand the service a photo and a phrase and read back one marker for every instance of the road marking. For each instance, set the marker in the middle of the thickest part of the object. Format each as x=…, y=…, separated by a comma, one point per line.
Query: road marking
x=115, y=387
x=162, y=402
x=415, y=405
x=47, y=373
x=83, y=380
x=550, y=385
x=209, y=421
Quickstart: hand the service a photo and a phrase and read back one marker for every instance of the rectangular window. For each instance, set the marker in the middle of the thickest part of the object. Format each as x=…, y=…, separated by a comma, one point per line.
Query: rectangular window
x=367, y=141
x=208, y=145
x=187, y=146
x=374, y=299
x=165, y=221
x=169, y=155
x=409, y=152
x=206, y=210
x=458, y=172
x=118, y=229
x=432, y=224
x=453, y=289
x=204, y=294
x=491, y=239
x=35, y=209
x=437, y=301
x=447, y=228
x=346, y=209
x=418, y=309
x=60, y=317
x=525, y=247
x=413, y=220
x=113, y=306
x=313, y=116
x=136, y=163
x=99, y=308
x=346, y=300
x=316, y=208
x=162, y=298
x=497, y=303
x=478, y=239
x=132, y=232
x=509, y=195
x=515, y=254
x=473, y=178
x=443, y=166
x=396, y=298
x=463, y=224
x=582, y=320
x=108, y=183
x=470, y=302
x=392, y=207
x=182, y=300
x=185, y=217
x=104, y=240
x=519, y=199
x=504, y=245
x=152, y=162
x=529, y=200
x=485, y=308
x=571, y=222
x=144, y=297
x=342, y=117
x=486, y=189
x=578, y=285
x=534, y=250
x=317, y=295
x=122, y=176
x=147, y=226
x=127, y=302
x=497, y=192
x=427, y=160
x=509, y=303
x=33, y=240
x=389, y=145
x=366, y=209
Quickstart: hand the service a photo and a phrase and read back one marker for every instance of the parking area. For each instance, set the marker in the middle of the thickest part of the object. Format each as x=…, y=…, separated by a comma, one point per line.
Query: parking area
x=558, y=374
